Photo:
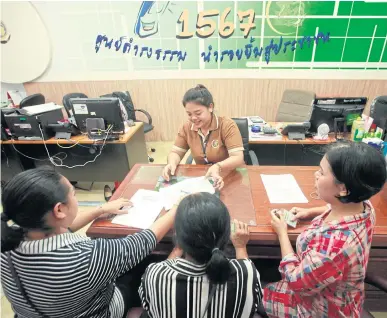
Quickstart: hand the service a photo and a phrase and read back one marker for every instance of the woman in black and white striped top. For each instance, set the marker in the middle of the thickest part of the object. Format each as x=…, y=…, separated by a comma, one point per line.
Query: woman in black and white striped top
x=198, y=280
x=59, y=273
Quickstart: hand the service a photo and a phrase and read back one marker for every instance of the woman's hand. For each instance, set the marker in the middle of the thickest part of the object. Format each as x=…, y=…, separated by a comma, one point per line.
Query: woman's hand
x=115, y=207
x=214, y=173
x=169, y=170
x=301, y=213
x=278, y=223
x=240, y=234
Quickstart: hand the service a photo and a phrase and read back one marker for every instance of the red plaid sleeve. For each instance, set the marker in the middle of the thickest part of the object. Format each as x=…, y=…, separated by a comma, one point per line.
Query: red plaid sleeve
x=315, y=269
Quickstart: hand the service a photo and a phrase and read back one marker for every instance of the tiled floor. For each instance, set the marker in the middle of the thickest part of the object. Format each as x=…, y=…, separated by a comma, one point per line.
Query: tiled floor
x=96, y=194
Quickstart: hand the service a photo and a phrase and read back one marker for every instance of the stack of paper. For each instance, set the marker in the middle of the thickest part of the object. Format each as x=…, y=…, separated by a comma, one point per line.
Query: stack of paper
x=172, y=194
x=147, y=205
x=283, y=188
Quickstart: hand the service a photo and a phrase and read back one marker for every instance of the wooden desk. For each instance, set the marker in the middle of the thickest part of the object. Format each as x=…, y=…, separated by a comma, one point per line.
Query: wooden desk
x=263, y=243
x=80, y=139
x=285, y=140
x=145, y=176
x=285, y=152
x=113, y=164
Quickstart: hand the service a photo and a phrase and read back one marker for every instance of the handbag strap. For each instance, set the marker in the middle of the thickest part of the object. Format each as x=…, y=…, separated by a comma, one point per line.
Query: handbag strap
x=20, y=286
x=212, y=293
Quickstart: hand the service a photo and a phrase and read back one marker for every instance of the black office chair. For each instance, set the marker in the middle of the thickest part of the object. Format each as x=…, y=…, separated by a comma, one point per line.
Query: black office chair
x=35, y=99
x=127, y=101
x=249, y=156
x=66, y=101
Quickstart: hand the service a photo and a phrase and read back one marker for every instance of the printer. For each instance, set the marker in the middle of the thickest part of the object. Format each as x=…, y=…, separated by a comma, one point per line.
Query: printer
x=24, y=123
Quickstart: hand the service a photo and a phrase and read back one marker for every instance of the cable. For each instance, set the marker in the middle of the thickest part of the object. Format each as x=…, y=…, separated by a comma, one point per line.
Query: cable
x=75, y=166
x=76, y=143
x=26, y=155
x=2, y=150
x=32, y=158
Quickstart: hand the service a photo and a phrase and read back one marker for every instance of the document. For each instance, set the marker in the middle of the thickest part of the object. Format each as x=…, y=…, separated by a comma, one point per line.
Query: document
x=283, y=188
x=172, y=194
x=147, y=205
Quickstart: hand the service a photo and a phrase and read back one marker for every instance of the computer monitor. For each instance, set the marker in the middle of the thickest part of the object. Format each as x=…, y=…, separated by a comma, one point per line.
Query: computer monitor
x=107, y=108
x=326, y=110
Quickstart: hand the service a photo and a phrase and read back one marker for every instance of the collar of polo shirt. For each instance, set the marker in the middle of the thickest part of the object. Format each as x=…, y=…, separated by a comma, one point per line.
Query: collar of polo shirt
x=214, y=126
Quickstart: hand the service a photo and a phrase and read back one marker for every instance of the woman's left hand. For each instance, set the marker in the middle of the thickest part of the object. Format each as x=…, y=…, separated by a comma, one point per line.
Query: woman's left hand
x=214, y=173
x=115, y=207
x=278, y=222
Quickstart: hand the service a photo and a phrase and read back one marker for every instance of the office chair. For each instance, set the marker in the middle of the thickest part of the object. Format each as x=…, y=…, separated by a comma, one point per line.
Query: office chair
x=295, y=106
x=35, y=99
x=249, y=156
x=66, y=101
x=127, y=101
x=377, y=281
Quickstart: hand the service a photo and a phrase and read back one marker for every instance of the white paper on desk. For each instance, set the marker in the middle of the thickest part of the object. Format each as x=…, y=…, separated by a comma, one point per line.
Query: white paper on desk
x=283, y=188
x=173, y=193
x=147, y=205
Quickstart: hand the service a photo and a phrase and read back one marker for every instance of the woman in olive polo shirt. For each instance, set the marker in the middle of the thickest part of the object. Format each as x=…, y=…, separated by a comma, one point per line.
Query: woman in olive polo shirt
x=213, y=140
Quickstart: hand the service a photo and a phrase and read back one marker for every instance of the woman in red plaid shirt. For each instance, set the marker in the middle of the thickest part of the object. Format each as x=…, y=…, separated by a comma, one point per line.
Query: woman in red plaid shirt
x=325, y=276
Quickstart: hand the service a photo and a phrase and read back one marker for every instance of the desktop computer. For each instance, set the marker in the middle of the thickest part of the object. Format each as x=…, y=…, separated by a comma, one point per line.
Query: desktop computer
x=92, y=108
x=337, y=113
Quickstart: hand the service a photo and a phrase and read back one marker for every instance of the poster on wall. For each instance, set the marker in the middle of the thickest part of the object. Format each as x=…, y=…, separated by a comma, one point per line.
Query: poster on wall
x=133, y=37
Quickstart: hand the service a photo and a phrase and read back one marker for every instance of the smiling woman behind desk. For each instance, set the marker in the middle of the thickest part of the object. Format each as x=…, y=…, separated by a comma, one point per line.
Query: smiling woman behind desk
x=213, y=140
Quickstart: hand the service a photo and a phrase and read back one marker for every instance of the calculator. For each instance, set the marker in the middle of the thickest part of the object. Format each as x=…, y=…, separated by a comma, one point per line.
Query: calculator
x=269, y=130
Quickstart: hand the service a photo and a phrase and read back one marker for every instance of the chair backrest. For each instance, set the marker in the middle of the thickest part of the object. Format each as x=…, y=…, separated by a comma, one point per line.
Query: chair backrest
x=126, y=101
x=243, y=127
x=35, y=99
x=295, y=106
x=66, y=101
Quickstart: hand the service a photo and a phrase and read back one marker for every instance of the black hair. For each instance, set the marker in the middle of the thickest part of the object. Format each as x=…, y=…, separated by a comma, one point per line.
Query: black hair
x=198, y=95
x=26, y=200
x=360, y=167
x=202, y=227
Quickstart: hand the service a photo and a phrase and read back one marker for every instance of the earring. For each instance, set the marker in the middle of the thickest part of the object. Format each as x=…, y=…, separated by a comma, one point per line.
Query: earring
x=343, y=193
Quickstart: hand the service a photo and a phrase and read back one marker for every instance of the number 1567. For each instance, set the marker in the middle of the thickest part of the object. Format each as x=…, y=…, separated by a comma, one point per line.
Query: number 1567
x=206, y=24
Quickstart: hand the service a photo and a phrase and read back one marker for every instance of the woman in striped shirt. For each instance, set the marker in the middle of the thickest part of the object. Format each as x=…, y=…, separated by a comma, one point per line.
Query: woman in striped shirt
x=198, y=280
x=48, y=271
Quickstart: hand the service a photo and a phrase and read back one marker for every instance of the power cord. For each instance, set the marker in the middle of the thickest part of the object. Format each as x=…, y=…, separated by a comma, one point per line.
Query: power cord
x=52, y=160
x=37, y=159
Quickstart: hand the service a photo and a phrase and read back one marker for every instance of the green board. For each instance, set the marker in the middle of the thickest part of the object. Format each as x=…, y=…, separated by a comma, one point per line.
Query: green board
x=353, y=35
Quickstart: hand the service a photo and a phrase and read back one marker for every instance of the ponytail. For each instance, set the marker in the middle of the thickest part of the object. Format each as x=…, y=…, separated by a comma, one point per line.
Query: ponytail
x=202, y=226
x=218, y=267
x=11, y=236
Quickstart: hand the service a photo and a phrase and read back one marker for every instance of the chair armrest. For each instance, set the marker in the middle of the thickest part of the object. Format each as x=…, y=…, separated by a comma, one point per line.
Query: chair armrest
x=376, y=281
x=146, y=114
x=253, y=157
x=189, y=160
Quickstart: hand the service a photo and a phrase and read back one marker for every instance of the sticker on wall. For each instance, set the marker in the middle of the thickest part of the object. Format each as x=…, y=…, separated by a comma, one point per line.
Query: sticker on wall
x=80, y=109
x=25, y=47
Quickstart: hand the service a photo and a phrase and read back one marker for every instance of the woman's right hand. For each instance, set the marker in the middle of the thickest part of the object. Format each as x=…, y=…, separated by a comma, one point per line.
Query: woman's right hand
x=169, y=170
x=301, y=213
x=240, y=234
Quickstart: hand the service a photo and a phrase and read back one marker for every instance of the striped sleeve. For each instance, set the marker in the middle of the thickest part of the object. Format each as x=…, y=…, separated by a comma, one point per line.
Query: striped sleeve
x=112, y=258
